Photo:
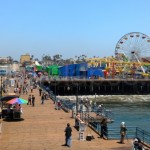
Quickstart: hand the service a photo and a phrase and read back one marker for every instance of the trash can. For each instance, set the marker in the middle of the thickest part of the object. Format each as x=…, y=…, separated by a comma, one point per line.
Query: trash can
x=82, y=128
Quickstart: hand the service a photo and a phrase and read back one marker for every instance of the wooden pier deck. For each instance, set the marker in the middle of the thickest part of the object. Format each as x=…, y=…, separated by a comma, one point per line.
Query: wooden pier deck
x=43, y=129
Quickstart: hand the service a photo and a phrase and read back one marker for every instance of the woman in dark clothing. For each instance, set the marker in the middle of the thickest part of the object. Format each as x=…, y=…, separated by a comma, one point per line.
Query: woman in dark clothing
x=104, y=128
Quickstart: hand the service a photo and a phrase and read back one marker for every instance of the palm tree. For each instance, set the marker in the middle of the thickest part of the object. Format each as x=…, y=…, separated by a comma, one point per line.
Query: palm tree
x=46, y=60
x=10, y=60
x=31, y=58
x=57, y=59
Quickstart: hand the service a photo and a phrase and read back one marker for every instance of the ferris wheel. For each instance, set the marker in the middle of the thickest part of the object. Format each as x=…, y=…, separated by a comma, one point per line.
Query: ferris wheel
x=133, y=47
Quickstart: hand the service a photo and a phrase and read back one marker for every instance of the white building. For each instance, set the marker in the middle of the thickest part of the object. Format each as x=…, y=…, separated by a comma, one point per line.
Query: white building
x=5, y=69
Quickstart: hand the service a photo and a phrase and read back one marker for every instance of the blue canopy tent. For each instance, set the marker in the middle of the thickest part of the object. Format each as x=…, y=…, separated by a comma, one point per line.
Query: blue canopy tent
x=63, y=71
x=71, y=70
x=81, y=70
x=94, y=72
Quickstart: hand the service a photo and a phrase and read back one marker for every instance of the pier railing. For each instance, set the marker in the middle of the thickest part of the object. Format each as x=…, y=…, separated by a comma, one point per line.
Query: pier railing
x=143, y=135
x=112, y=132
x=132, y=132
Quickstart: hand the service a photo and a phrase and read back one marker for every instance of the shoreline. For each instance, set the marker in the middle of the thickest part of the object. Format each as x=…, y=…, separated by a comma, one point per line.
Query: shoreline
x=110, y=98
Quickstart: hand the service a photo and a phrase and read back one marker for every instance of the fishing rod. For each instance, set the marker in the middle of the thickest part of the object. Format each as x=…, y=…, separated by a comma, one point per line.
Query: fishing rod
x=126, y=137
x=126, y=133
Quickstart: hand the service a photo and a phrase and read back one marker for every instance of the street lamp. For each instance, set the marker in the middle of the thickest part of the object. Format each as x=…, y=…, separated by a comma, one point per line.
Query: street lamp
x=1, y=94
x=77, y=98
x=55, y=90
x=1, y=85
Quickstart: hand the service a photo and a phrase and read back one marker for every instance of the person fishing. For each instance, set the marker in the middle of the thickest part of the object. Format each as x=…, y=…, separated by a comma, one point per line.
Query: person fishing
x=137, y=145
x=104, y=129
x=123, y=130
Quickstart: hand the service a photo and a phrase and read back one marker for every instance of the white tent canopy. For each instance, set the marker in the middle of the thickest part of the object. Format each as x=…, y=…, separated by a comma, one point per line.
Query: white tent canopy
x=37, y=63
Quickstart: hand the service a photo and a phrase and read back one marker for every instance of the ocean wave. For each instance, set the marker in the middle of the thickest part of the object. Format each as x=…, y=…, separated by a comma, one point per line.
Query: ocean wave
x=111, y=98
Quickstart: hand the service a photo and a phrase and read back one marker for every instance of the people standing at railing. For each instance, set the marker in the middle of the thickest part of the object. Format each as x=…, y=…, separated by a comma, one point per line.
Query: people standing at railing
x=104, y=129
x=100, y=109
x=137, y=145
x=94, y=106
x=77, y=119
x=123, y=130
x=58, y=104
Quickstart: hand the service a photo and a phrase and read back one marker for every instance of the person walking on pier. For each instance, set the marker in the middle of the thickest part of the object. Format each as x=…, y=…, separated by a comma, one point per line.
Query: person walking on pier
x=33, y=100
x=68, y=133
x=123, y=130
x=42, y=98
x=29, y=100
x=31, y=88
x=40, y=91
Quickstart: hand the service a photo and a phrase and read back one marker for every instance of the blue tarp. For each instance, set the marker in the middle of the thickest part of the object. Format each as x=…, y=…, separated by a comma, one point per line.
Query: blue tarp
x=63, y=71
x=81, y=70
x=71, y=70
x=95, y=72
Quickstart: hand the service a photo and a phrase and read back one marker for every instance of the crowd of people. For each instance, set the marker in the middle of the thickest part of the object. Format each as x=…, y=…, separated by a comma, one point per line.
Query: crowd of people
x=26, y=87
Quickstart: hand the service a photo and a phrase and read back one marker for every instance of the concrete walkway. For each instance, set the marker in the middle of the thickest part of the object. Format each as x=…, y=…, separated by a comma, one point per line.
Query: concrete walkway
x=43, y=129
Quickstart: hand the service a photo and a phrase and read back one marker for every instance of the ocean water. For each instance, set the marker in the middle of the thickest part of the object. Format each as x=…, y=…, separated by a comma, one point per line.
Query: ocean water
x=133, y=110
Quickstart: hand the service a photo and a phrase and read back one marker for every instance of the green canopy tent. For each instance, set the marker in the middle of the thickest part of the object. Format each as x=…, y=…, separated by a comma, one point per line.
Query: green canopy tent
x=38, y=68
x=52, y=70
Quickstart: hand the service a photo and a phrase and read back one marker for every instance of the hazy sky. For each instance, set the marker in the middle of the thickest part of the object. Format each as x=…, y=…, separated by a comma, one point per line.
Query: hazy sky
x=69, y=27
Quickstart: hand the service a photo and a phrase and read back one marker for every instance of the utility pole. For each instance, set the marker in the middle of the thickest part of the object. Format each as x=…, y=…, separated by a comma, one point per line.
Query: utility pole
x=1, y=94
x=1, y=85
x=55, y=90
x=77, y=101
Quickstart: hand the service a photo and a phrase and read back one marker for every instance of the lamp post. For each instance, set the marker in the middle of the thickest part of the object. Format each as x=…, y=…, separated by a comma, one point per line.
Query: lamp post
x=1, y=85
x=77, y=98
x=55, y=90
x=1, y=94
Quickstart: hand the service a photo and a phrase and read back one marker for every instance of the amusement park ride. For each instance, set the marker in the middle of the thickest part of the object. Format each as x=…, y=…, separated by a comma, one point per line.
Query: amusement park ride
x=131, y=58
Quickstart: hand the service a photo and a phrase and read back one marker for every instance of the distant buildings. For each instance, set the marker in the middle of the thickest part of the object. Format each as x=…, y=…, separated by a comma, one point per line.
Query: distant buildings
x=7, y=66
x=5, y=60
x=25, y=60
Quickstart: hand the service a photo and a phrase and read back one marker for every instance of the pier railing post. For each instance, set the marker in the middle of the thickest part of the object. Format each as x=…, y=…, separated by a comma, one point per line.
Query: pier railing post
x=1, y=93
x=55, y=90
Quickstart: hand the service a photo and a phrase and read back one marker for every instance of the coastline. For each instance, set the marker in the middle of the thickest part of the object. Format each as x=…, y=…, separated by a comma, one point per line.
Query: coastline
x=111, y=98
